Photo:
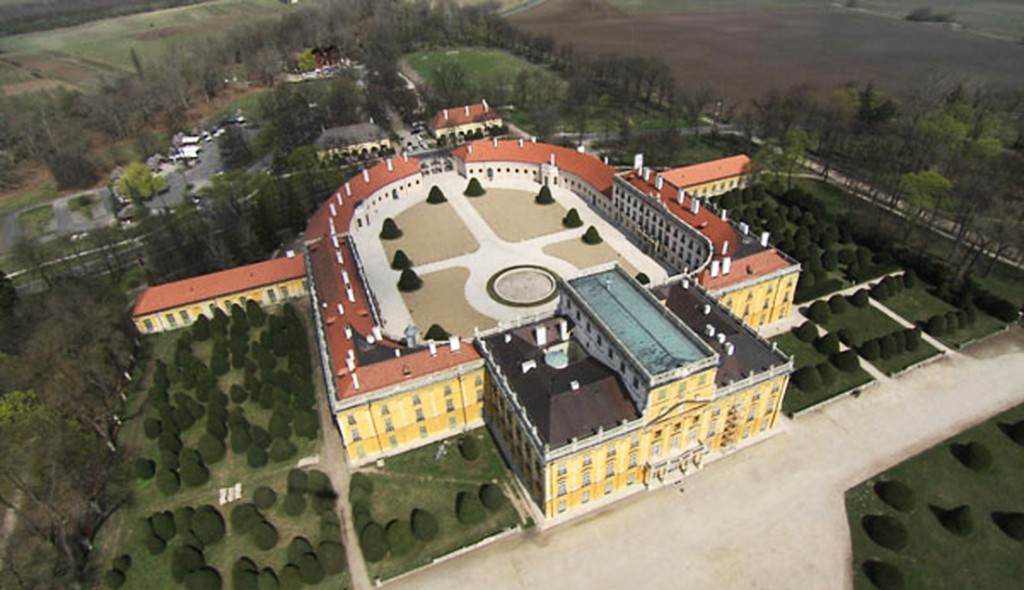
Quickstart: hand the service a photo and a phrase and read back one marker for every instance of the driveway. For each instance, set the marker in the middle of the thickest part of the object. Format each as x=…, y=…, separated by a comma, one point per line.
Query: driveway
x=769, y=517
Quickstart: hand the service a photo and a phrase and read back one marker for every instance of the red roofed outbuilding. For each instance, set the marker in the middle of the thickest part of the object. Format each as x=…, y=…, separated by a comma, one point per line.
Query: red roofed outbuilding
x=456, y=124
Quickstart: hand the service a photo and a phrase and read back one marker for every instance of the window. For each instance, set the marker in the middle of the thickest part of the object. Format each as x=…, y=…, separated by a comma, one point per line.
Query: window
x=716, y=412
x=384, y=410
x=480, y=395
x=272, y=295
x=415, y=400
x=676, y=427
x=771, y=404
x=419, y=414
x=586, y=460
x=393, y=441
x=586, y=497
x=634, y=442
x=630, y=479
x=609, y=469
x=693, y=435
x=608, y=488
x=355, y=435
x=586, y=478
x=561, y=469
x=284, y=291
x=447, y=389
x=149, y=324
x=451, y=421
x=388, y=427
x=753, y=410
x=675, y=442
x=561, y=488
x=703, y=378
x=764, y=425
x=423, y=432
x=184, y=316
x=561, y=506
x=449, y=405
x=711, y=430
x=656, y=449
x=611, y=451
x=478, y=381
x=746, y=432
x=682, y=387
x=351, y=419
x=170, y=320
x=632, y=459
x=661, y=395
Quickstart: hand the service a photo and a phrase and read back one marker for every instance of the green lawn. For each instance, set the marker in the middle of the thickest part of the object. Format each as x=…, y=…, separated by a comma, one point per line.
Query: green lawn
x=936, y=559
x=804, y=354
x=35, y=222
x=482, y=66
x=983, y=326
x=834, y=198
x=417, y=480
x=917, y=305
x=866, y=322
x=41, y=194
x=83, y=205
x=902, y=361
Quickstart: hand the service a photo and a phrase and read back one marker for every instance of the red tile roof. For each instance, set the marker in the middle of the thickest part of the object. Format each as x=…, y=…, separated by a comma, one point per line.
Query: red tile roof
x=706, y=171
x=590, y=169
x=755, y=265
x=219, y=284
x=414, y=366
x=473, y=113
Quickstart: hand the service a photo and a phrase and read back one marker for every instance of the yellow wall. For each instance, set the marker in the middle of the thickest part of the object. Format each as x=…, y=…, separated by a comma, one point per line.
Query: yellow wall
x=355, y=149
x=365, y=425
x=717, y=187
x=761, y=303
x=465, y=130
x=182, y=316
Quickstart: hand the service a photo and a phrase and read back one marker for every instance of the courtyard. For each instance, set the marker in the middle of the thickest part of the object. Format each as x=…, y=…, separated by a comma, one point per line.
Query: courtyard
x=459, y=246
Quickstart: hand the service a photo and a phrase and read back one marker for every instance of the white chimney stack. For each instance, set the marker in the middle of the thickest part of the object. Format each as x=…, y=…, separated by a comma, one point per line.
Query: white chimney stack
x=348, y=332
x=730, y=348
x=387, y=162
x=469, y=148
x=348, y=190
x=721, y=337
x=533, y=139
x=714, y=268
x=647, y=174
x=725, y=215
x=563, y=330
x=467, y=110
x=764, y=239
x=341, y=309
x=606, y=160
x=337, y=256
x=445, y=114
x=658, y=182
x=350, y=362
x=574, y=385
x=695, y=205
x=337, y=246
x=405, y=156
x=530, y=364
x=726, y=265
x=454, y=344
x=337, y=196
x=638, y=161
x=725, y=247
x=552, y=158
x=686, y=283
x=744, y=228
x=709, y=330
x=541, y=334
x=366, y=175
x=494, y=140
x=433, y=347
x=483, y=101
x=355, y=380
x=330, y=222
x=682, y=195
x=334, y=213
x=351, y=295
x=521, y=142
x=376, y=333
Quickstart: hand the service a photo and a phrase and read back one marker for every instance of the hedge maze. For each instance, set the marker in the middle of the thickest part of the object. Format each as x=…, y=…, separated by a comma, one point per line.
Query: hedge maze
x=951, y=517
x=429, y=502
x=230, y=402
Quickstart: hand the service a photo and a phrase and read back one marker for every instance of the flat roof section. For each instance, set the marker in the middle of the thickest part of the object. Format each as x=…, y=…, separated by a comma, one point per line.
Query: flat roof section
x=641, y=325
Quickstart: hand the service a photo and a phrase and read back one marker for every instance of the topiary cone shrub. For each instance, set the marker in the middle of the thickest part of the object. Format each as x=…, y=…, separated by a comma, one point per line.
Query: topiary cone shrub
x=837, y=304
x=390, y=231
x=436, y=196
x=473, y=189
x=808, y=378
x=973, y=455
x=244, y=517
x=819, y=312
x=311, y=570
x=144, y=468
x=1011, y=523
x=297, y=548
x=885, y=576
x=806, y=332
x=896, y=494
x=1014, y=432
x=424, y=525
x=846, y=361
x=332, y=556
x=491, y=496
x=643, y=279
x=114, y=578
x=185, y=560
x=409, y=281
x=373, y=541
x=468, y=508
x=436, y=332
x=572, y=219
x=827, y=344
x=294, y=504
x=400, y=261
x=544, y=196
x=469, y=448
x=205, y=578
x=400, y=538
x=828, y=373
x=208, y=525
x=861, y=298
x=264, y=536
x=885, y=531
x=955, y=520
x=266, y=580
x=167, y=481
x=591, y=236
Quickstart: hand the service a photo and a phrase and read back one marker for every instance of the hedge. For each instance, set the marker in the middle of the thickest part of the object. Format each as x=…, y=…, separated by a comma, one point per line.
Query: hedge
x=591, y=236
x=373, y=541
x=400, y=538
x=807, y=378
x=264, y=536
x=468, y=508
x=819, y=312
x=409, y=281
x=936, y=325
x=955, y=520
x=436, y=196
x=473, y=189
x=424, y=525
x=544, y=196
x=973, y=455
x=168, y=482
x=205, y=578
x=297, y=548
x=264, y=497
x=913, y=338
x=294, y=504
x=244, y=517
x=883, y=575
x=185, y=560
x=208, y=525
x=886, y=531
x=310, y=569
x=896, y=494
x=491, y=496
x=436, y=332
x=400, y=261
x=144, y=468
x=390, y=230
x=845, y=361
x=572, y=219
x=849, y=338
x=806, y=332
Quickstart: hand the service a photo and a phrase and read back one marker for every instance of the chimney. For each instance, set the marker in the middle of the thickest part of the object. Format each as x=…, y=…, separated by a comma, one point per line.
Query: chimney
x=541, y=334
x=709, y=330
x=521, y=143
x=563, y=330
x=658, y=182
x=366, y=175
x=334, y=213
x=508, y=338
x=348, y=332
x=714, y=268
x=445, y=114
x=337, y=246
x=337, y=196
x=725, y=215
x=376, y=333
x=494, y=140
x=682, y=195
x=454, y=344
x=405, y=156
x=341, y=309
x=574, y=385
x=726, y=265
x=530, y=364
x=344, y=277
x=350, y=362
x=337, y=256
x=764, y=239
x=721, y=337
x=694, y=205
x=730, y=348
x=469, y=148
x=483, y=101
x=433, y=347
x=725, y=247
x=580, y=149
x=330, y=222
x=412, y=336
x=647, y=174
x=355, y=381
x=638, y=161
x=467, y=110
x=552, y=160
x=387, y=162
x=606, y=160
x=533, y=139
x=348, y=190
x=744, y=228
x=351, y=295
x=398, y=352
x=686, y=283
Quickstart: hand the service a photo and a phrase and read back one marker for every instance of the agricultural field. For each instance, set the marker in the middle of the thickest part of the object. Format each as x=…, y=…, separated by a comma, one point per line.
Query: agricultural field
x=78, y=56
x=951, y=517
x=779, y=49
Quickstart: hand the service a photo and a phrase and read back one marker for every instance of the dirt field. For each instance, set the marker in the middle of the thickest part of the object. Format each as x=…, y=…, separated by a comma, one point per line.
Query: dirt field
x=442, y=301
x=582, y=256
x=422, y=226
x=745, y=54
x=515, y=217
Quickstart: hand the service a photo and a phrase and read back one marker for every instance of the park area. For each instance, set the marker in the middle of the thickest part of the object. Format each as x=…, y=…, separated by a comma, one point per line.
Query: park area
x=431, y=501
x=951, y=517
x=806, y=355
x=514, y=215
x=223, y=415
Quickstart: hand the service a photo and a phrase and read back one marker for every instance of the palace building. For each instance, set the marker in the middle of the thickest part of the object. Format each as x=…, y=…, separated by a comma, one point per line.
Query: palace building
x=458, y=124
x=361, y=140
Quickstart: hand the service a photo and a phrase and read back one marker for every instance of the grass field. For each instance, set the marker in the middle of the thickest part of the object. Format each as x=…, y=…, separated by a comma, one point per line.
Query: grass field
x=917, y=305
x=901, y=361
x=764, y=50
x=482, y=66
x=83, y=205
x=935, y=558
x=78, y=55
x=867, y=322
x=36, y=222
x=442, y=300
x=804, y=354
x=422, y=479
x=431, y=233
x=514, y=216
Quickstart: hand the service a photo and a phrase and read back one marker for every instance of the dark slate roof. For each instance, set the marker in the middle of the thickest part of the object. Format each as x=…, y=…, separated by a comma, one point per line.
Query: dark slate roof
x=751, y=353
x=559, y=412
x=350, y=135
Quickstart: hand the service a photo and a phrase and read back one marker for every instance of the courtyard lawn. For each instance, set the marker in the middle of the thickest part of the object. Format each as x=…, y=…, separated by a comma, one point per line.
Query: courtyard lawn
x=934, y=557
x=36, y=221
x=442, y=300
x=584, y=256
x=984, y=325
x=431, y=233
x=804, y=354
x=514, y=216
x=866, y=322
x=424, y=479
x=899, y=362
x=917, y=305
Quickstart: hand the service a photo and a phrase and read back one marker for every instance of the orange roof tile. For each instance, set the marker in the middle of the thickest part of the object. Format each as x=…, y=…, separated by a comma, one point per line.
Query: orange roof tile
x=590, y=169
x=473, y=113
x=219, y=284
x=755, y=265
x=413, y=366
x=688, y=176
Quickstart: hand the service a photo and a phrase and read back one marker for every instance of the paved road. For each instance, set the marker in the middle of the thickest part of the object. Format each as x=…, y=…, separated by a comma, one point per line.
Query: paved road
x=770, y=517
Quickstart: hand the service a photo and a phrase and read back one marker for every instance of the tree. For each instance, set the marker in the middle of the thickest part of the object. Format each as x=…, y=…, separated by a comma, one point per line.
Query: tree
x=572, y=219
x=373, y=541
x=591, y=236
x=927, y=192
x=544, y=196
x=436, y=196
x=8, y=297
x=468, y=508
x=473, y=189
x=409, y=281
x=234, y=148
x=305, y=62
x=492, y=496
x=400, y=261
x=424, y=525
x=139, y=184
x=469, y=447
x=390, y=230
